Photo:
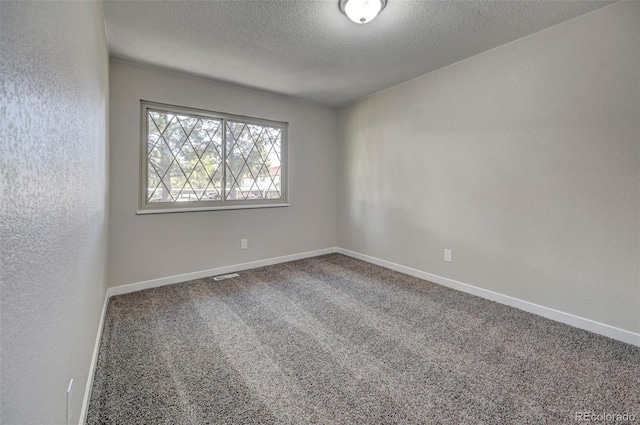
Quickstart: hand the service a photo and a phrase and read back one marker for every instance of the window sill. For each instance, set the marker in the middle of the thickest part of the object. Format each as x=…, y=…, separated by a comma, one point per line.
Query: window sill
x=196, y=209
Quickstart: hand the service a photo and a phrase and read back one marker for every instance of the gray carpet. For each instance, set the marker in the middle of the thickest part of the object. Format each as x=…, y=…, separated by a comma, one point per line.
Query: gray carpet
x=333, y=340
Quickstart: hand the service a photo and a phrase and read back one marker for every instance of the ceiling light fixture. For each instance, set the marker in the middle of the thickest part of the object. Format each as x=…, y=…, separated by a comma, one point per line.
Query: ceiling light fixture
x=361, y=11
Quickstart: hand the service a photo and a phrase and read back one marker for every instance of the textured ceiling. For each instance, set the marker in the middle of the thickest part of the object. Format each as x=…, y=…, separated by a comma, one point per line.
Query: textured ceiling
x=306, y=49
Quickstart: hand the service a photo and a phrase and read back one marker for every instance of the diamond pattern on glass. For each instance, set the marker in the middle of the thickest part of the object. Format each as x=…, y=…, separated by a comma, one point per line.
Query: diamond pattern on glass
x=252, y=161
x=184, y=158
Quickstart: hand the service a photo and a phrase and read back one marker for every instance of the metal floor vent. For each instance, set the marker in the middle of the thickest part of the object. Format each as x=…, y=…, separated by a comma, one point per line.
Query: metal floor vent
x=225, y=276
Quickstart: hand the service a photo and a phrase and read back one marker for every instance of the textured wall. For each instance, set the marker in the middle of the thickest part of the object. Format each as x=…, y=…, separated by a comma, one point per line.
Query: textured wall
x=524, y=160
x=143, y=247
x=53, y=194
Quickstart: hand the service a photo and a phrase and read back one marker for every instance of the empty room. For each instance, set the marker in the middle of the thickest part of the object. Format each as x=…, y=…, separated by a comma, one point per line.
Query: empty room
x=320, y=212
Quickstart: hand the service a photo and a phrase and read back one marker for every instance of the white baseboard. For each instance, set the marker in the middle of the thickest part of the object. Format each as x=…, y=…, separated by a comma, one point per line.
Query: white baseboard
x=550, y=313
x=154, y=283
x=94, y=361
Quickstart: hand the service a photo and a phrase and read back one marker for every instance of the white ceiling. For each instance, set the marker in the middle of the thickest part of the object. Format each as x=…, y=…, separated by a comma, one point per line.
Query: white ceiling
x=306, y=49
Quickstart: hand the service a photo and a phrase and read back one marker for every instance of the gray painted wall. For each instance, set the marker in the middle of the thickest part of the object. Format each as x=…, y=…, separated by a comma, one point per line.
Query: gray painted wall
x=53, y=215
x=523, y=160
x=143, y=247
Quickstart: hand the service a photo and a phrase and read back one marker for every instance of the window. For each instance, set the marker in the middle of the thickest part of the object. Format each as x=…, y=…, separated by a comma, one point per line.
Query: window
x=199, y=160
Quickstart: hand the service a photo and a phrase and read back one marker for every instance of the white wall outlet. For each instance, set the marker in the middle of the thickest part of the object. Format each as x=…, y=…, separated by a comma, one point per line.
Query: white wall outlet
x=447, y=255
x=244, y=244
x=69, y=402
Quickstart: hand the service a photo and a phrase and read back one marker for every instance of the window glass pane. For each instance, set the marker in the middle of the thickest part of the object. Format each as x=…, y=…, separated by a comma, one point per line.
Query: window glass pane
x=199, y=160
x=184, y=155
x=253, y=165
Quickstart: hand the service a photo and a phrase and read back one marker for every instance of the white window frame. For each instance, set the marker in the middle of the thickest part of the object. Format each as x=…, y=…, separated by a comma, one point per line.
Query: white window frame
x=145, y=207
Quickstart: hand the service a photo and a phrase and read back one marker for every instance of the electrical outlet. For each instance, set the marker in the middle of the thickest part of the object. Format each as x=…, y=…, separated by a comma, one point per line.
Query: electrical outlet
x=244, y=244
x=69, y=402
x=447, y=255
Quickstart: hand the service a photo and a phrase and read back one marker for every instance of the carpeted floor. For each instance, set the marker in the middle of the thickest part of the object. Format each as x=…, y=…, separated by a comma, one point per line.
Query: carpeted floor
x=333, y=340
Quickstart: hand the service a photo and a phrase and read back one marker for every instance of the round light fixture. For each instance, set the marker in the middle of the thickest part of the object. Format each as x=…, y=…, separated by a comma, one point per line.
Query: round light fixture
x=361, y=11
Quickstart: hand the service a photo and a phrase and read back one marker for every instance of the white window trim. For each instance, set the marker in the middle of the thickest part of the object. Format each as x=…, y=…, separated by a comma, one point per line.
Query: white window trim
x=145, y=207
